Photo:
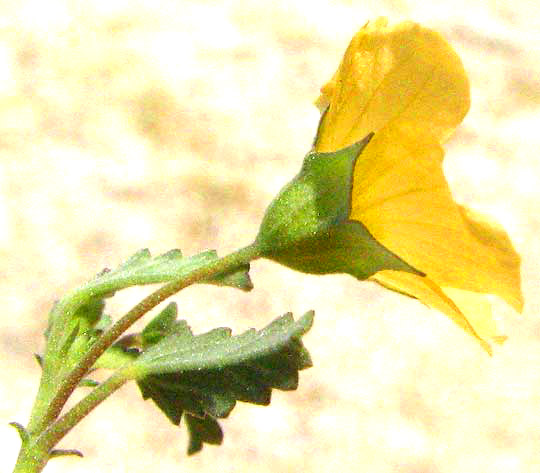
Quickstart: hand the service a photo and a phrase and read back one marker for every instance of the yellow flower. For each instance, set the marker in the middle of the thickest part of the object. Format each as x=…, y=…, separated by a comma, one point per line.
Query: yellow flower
x=407, y=85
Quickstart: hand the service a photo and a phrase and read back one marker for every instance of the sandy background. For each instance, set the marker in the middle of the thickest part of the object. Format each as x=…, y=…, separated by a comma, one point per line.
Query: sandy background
x=171, y=124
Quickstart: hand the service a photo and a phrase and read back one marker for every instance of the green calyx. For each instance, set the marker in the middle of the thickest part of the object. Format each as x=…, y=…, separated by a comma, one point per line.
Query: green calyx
x=307, y=226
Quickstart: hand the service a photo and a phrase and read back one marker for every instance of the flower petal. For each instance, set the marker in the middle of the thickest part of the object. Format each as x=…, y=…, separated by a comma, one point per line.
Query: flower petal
x=400, y=194
x=491, y=236
x=477, y=310
x=425, y=290
x=402, y=74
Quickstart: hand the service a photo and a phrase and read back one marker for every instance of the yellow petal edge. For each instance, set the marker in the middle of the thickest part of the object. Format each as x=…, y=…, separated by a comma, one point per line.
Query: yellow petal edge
x=407, y=85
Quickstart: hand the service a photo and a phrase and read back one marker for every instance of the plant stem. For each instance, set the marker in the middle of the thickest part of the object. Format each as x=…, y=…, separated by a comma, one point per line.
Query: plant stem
x=34, y=456
x=216, y=268
x=65, y=423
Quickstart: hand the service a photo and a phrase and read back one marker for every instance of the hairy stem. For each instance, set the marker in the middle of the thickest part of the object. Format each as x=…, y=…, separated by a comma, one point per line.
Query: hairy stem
x=34, y=455
x=53, y=434
x=39, y=423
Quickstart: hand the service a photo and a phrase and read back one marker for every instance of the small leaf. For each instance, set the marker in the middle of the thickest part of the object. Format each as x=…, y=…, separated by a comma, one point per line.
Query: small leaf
x=160, y=325
x=88, y=383
x=90, y=313
x=23, y=434
x=103, y=323
x=115, y=357
x=85, y=325
x=70, y=335
x=239, y=279
x=63, y=453
x=201, y=428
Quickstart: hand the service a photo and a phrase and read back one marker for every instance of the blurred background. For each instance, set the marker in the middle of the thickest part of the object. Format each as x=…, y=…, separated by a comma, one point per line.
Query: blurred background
x=172, y=124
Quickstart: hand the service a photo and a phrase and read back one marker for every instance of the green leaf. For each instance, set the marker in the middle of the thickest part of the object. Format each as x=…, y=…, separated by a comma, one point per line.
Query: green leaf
x=160, y=326
x=204, y=376
x=77, y=339
x=70, y=335
x=74, y=344
x=86, y=323
x=103, y=323
x=115, y=357
x=142, y=269
x=307, y=226
x=88, y=383
x=218, y=349
x=202, y=430
x=91, y=313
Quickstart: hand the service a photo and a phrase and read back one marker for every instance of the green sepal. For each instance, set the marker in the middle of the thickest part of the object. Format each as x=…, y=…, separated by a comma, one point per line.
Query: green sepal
x=316, y=199
x=307, y=226
x=344, y=248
